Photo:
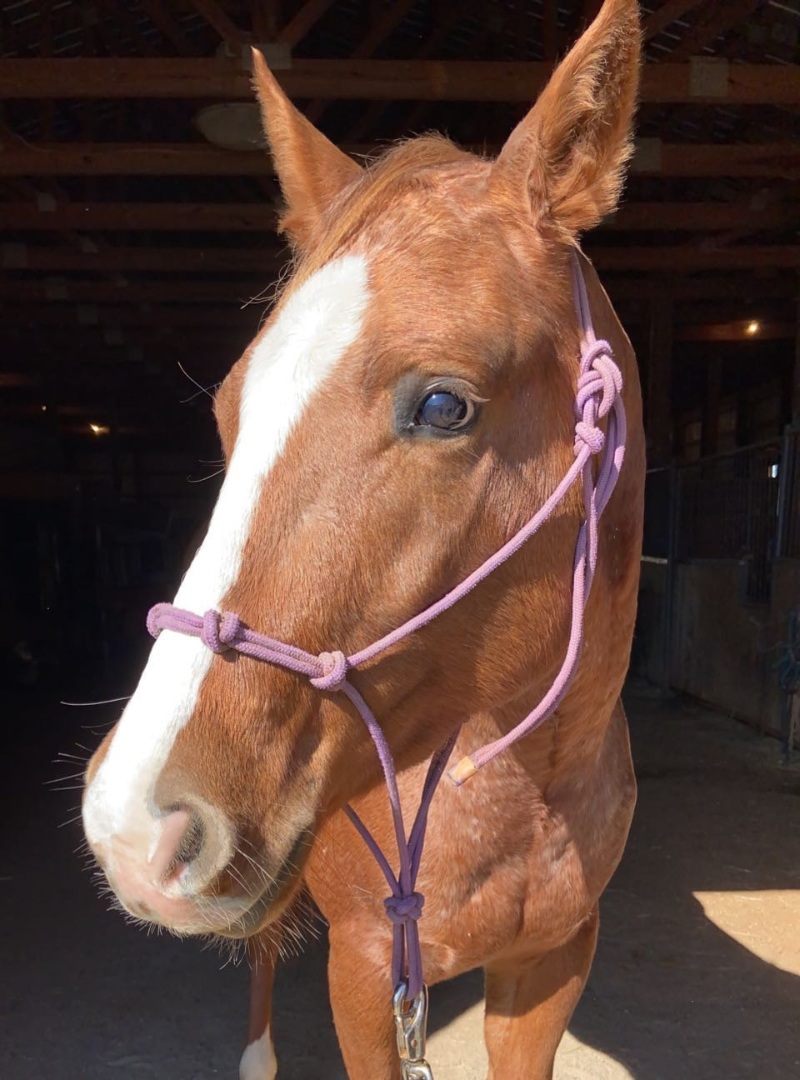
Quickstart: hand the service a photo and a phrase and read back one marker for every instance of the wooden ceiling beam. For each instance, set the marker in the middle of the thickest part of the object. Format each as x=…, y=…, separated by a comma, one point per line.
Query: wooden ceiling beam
x=256, y=217
x=265, y=19
x=737, y=331
x=149, y=314
x=665, y=15
x=303, y=20
x=130, y=159
x=698, y=216
x=371, y=41
x=194, y=260
x=721, y=19
x=218, y=18
x=658, y=259
x=780, y=160
x=188, y=260
x=212, y=349
x=441, y=31
x=248, y=320
x=369, y=79
x=242, y=292
x=550, y=29
x=745, y=288
x=767, y=160
x=159, y=15
x=121, y=290
x=707, y=312
x=136, y=217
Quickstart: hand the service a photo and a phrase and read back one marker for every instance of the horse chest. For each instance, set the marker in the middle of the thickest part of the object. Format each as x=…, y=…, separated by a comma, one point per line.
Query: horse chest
x=498, y=875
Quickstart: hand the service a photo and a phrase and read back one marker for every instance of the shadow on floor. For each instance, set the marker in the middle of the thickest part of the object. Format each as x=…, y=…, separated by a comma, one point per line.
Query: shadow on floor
x=671, y=997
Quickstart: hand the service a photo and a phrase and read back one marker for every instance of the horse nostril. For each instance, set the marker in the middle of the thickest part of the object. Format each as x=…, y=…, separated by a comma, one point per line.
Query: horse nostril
x=192, y=841
x=190, y=847
x=176, y=835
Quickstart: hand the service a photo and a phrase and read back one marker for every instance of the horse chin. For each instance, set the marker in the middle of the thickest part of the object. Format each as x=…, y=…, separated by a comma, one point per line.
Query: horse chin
x=276, y=898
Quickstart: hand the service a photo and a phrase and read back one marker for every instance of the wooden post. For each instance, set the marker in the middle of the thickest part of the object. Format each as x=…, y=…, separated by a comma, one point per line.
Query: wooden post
x=713, y=394
x=796, y=372
x=659, y=383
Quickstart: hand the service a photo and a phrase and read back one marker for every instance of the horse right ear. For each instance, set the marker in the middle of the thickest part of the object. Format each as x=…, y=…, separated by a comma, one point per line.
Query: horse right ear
x=312, y=171
x=567, y=157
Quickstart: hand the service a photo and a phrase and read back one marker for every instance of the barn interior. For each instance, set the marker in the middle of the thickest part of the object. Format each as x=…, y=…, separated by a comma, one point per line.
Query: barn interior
x=138, y=257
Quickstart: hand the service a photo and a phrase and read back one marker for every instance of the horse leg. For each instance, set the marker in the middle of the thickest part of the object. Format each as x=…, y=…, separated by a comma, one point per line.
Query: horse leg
x=528, y=1006
x=258, y=1061
x=361, y=999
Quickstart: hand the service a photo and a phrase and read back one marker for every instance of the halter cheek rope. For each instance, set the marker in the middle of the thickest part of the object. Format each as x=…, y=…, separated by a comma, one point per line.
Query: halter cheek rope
x=598, y=397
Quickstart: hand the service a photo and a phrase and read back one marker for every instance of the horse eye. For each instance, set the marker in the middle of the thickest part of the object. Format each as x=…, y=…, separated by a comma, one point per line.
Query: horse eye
x=444, y=410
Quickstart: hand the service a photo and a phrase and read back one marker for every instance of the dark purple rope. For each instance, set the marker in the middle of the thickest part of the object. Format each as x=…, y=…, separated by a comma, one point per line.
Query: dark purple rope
x=598, y=397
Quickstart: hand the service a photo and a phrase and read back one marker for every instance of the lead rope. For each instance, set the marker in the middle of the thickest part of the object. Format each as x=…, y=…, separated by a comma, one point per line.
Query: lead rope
x=598, y=397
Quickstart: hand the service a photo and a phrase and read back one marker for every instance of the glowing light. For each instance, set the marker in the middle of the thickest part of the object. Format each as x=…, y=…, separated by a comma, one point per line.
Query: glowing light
x=44, y=408
x=99, y=429
x=753, y=328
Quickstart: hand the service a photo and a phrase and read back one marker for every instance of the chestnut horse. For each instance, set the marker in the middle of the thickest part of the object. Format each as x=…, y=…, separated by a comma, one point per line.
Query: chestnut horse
x=407, y=407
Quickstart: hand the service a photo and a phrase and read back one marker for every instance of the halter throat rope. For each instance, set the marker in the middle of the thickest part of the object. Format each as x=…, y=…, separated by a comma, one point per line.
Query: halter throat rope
x=598, y=397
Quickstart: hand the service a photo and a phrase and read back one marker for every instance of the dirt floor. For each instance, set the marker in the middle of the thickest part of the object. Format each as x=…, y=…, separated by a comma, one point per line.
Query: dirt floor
x=697, y=974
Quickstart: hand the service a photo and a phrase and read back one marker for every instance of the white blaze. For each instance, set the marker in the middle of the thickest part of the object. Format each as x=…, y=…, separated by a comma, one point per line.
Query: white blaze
x=316, y=326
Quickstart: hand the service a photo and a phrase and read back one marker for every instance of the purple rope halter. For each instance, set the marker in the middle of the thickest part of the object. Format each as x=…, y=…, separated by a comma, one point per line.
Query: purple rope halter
x=598, y=397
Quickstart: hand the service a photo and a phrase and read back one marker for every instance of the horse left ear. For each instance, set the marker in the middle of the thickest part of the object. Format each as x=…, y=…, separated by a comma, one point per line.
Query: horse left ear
x=312, y=171
x=567, y=157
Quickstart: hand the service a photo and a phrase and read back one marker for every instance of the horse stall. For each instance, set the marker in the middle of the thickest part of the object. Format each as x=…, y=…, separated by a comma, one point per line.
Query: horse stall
x=445, y=514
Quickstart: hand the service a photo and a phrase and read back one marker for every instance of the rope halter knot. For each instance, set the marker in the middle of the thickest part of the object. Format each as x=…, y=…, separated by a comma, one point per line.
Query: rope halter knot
x=220, y=631
x=599, y=384
x=404, y=909
x=334, y=672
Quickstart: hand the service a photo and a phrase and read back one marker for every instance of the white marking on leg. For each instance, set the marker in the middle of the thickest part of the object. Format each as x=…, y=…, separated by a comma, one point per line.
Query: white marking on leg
x=312, y=332
x=259, y=1061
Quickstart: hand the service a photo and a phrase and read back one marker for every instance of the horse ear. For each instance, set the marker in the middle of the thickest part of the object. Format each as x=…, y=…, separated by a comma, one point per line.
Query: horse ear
x=311, y=170
x=567, y=157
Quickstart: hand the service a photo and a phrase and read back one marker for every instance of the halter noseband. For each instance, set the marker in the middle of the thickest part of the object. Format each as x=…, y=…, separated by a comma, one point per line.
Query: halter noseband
x=598, y=396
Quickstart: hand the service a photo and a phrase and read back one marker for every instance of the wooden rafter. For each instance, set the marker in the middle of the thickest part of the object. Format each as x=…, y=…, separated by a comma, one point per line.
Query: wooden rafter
x=267, y=261
x=372, y=40
x=256, y=217
x=134, y=315
x=550, y=29
x=703, y=217
x=265, y=19
x=666, y=15
x=219, y=19
x=300, y=24
x=736, y=330
x=366, y=80
x=627, y=292
x=666, y=259
x=149, y=217
x=745, y=287
x=247, y=320
x=780, y=160
x=428, y=48
x=189, y=260
x=168, y=27
x=722, y=18
x=121, y=290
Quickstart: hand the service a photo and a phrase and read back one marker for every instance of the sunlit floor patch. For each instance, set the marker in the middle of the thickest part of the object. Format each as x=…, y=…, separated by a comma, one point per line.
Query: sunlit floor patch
x=457, y=1053
x=764, y=922
x=577, y=1061
x=454, y=1051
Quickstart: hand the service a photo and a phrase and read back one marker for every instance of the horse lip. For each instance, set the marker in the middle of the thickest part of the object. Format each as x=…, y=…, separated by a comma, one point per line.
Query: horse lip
x=273, y=896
